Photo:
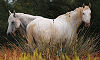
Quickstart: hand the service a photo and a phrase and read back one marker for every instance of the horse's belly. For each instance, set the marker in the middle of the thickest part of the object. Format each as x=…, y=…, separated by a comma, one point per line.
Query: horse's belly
x=49, y=34
x=43, y=32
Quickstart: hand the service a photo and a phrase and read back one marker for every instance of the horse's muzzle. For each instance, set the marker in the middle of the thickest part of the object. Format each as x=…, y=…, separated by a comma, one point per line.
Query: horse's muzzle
x=87, y=24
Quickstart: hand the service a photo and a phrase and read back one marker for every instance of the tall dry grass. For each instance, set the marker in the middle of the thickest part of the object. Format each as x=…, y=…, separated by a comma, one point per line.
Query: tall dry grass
x=17, y=54
x=83, y=48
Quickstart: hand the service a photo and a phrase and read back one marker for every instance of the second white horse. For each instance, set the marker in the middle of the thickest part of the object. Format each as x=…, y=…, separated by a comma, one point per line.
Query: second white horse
x=63, y=28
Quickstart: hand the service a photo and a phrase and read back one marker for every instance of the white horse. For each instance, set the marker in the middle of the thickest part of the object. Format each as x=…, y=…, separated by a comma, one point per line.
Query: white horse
x=19, y=21
x=63, y=28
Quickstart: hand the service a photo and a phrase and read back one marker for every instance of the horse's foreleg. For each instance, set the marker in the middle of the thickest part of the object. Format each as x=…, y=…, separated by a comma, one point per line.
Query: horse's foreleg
x=30, y=38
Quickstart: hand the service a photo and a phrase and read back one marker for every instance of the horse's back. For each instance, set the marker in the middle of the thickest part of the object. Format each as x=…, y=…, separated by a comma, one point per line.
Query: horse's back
x=42, y=26
x=47, y=29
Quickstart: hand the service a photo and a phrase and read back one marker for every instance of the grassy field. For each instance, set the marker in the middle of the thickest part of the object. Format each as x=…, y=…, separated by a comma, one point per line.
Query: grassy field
x=17, y=54
x=83, y=48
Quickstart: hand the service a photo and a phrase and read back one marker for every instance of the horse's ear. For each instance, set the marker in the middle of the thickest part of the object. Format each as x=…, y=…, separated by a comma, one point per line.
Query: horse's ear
x=83, y=5
x=89, y=5
x=14, y=13
x=9, y=12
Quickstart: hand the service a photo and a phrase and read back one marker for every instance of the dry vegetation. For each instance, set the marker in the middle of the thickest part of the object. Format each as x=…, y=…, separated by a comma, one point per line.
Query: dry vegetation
x=81, y=49
x=17, y=54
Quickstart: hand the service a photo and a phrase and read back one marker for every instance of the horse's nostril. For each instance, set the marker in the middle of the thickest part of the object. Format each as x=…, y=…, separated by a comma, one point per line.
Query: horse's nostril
x=87, y=24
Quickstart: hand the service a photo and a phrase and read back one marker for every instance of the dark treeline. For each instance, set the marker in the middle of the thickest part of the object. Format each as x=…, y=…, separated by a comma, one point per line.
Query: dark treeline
x=47, y=9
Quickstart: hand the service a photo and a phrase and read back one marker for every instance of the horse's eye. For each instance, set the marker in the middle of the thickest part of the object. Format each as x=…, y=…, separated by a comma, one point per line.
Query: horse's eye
x=12, y=22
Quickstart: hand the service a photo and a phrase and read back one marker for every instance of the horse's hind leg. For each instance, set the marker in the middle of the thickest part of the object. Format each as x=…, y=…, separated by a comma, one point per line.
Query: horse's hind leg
x=35, y=42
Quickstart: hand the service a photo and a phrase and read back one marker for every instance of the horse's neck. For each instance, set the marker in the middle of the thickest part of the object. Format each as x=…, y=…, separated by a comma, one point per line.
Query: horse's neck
x=71, y=18
x=24, y=19
x=75, y=20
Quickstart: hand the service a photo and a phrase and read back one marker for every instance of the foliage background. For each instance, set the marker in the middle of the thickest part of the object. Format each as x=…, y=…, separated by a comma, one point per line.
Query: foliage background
x=47, y=9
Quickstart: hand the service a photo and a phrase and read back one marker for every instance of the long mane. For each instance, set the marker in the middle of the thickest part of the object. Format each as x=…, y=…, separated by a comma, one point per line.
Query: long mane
x=79, y=12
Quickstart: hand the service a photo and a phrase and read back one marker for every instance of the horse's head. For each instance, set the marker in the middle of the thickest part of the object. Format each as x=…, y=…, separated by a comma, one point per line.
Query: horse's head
x=14, y=23
x=86, y=15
